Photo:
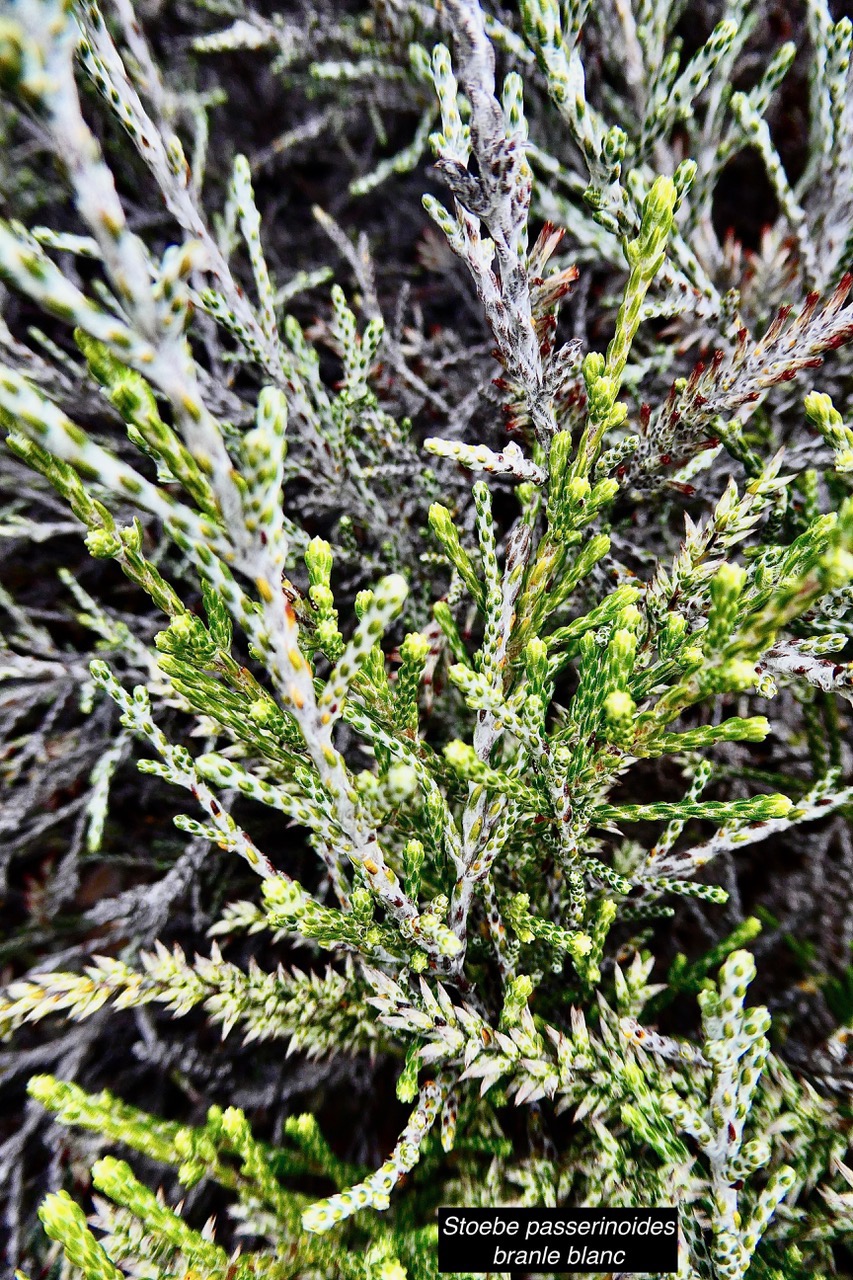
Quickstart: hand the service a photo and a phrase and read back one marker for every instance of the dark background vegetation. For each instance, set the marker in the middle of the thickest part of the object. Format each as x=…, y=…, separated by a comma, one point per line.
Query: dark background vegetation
x=59, y=904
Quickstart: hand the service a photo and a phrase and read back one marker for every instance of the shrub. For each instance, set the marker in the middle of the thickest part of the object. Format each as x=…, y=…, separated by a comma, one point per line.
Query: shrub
x=495, y=751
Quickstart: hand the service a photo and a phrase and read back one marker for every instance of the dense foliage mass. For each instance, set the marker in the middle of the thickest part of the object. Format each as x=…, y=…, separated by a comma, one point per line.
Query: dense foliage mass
x=525, y=795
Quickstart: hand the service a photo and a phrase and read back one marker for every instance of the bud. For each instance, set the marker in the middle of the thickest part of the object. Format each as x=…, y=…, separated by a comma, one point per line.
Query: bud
x=321, y=597
x=401, y=782
x=103, y=544
x=602, y=393
x=655, y=225
x=413, y=861
x=190, y=1173
x=737, y=675
x=592, y=368
x=691, y=657
x=234, y=1125
x=407, y=1081
x=672, y=634
x=683, y=178
x=605, y=491
x=578, y=490
x=617, y=416
x=726, y=588
x=415, y=648
x=367, y=784
x=363, y=601
x=620, y=708
x=390, y=1269
x=462, y=757
x=131, y=536
x=776, y=806
x=318, y=561
x=536, y=663
x=265, y=713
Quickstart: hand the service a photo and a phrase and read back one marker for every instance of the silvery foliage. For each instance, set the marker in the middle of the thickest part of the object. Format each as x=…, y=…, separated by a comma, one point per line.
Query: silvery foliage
x=456, y=708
